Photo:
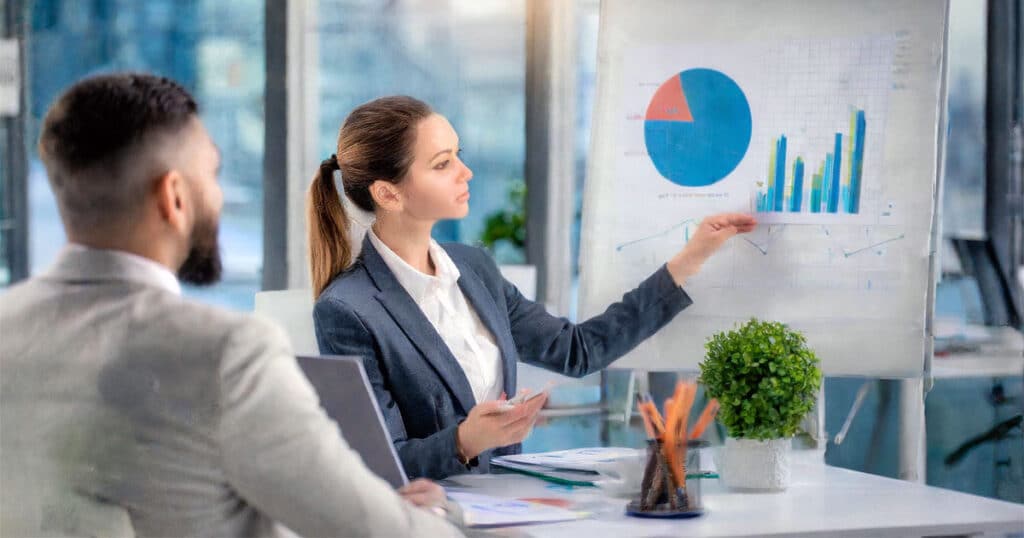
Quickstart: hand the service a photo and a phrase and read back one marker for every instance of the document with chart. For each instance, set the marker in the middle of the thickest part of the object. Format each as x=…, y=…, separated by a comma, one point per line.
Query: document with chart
x=827, y=132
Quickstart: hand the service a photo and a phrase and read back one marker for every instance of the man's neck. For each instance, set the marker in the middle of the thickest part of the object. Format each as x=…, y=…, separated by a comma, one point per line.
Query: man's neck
x=150, y=249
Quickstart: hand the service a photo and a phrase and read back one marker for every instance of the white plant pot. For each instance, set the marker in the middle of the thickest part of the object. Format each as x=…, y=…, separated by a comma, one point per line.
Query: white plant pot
x=752, y=465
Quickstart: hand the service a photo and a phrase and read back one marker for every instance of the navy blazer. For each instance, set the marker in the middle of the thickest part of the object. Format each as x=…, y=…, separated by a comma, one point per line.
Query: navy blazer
x=422, y=390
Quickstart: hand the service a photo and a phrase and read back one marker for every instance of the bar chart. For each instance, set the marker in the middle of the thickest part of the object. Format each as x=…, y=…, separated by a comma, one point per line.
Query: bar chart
x=835, y=185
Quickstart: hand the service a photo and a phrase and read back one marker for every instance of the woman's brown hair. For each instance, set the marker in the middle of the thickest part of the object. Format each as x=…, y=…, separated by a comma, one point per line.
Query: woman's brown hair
x=375, y=143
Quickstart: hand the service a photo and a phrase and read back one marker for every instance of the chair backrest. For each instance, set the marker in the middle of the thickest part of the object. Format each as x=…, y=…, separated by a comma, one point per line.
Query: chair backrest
x=523, y=277
x=293, y=311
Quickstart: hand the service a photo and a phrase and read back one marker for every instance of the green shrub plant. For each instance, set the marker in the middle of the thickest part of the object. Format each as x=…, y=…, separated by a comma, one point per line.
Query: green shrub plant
x=764, y=377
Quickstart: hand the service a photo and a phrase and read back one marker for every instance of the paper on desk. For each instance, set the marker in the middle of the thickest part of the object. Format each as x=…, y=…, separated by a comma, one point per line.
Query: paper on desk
x=577, y=459
x=487, y=511
x=562, y=476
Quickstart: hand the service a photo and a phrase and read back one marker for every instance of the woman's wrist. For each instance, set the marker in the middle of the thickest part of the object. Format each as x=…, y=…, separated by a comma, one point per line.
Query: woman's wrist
x=464, y=453
x=681, y=267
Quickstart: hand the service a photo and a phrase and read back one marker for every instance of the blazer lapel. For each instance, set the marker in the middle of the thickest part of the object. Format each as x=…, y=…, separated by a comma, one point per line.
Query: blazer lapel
x=409, y=317
x=483, y=302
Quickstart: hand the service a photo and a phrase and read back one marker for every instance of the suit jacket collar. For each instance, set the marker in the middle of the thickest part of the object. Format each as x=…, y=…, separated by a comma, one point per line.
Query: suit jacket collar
x=417, y=327
x=487, y=309
x=77, y=263
x=415, y=282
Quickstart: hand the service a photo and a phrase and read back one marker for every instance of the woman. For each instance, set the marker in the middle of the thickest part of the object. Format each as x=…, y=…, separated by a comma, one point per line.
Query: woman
x=439, y=329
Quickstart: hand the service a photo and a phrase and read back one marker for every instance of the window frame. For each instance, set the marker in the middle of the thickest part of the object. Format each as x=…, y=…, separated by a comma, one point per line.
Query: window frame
x=14, y=157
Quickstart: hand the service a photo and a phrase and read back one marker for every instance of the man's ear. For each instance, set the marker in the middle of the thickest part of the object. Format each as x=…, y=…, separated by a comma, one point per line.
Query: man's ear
x=386, y=195
x=171, y=197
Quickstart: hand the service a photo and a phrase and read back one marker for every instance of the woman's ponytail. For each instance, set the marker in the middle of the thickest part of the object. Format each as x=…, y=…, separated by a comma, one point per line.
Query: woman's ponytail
x=329, y=250
x=375, y=143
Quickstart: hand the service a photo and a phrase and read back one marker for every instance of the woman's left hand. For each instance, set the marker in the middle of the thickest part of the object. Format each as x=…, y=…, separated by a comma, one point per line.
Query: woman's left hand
x=711, y=234
x=423, y=493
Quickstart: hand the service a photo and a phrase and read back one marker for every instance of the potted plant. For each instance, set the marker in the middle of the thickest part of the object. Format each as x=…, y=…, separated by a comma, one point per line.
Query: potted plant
x=504, y=233
x=766, y=380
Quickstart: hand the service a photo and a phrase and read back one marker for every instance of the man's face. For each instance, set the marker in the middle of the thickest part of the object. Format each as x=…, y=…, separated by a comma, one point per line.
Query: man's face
x=203, y=264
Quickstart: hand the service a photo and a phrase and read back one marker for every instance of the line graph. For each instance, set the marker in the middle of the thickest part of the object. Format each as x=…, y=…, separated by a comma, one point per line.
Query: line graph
x=848, y=253
x=674, y=227
x=773, y=232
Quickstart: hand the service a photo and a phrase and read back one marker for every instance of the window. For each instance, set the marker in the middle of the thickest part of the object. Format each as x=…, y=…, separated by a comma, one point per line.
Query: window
x=6, y=214
x=12, y=229
x=963, y=203
x=216, y=50
x=587, y=20
x=466, y=59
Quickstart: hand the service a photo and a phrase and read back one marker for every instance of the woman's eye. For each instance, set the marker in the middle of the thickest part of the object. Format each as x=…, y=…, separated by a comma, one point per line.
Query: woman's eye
x=441, y=165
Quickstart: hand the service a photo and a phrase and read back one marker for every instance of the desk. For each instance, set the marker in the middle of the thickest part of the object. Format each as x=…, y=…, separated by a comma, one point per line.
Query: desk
x=822, y=501
x=1000, y=355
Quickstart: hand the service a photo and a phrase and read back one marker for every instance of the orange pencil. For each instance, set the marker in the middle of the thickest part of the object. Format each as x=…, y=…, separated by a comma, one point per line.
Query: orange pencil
x=668, y=447
x=690, y=393
x=648, y=425
x=659, y=423
x=656, y=422
x=710, y=410
x=675, y=434
x=668, y=411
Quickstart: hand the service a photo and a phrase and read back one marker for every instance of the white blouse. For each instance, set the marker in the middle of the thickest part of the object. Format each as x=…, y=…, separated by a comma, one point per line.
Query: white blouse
x=446, y=307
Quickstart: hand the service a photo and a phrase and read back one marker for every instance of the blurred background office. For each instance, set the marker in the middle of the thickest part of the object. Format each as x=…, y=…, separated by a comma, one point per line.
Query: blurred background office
x=275, y=78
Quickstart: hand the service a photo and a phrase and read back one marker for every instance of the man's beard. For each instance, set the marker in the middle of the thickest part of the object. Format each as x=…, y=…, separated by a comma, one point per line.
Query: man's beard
x=202, y=267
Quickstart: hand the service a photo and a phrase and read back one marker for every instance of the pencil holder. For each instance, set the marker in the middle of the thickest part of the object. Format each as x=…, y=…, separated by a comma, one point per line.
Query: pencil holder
x=660, y=495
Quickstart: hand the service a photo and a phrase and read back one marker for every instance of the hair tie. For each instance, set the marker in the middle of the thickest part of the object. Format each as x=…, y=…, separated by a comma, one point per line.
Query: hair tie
x=331, y=163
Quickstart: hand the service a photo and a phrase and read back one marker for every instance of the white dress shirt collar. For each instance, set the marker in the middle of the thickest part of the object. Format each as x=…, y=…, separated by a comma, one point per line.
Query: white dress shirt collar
x=417, y=283
x=456, y=321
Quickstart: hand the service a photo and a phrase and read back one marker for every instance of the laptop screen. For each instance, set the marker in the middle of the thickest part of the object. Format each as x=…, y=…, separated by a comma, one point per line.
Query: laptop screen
x=346, y=396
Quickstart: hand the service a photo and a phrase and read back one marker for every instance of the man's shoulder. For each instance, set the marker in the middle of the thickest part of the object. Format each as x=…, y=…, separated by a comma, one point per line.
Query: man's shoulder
x=21, y=294
x=136, y=325
x=207, y=336
x=191, y=318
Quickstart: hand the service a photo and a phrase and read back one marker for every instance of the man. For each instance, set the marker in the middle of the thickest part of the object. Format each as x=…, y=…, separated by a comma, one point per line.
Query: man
x=127, y=409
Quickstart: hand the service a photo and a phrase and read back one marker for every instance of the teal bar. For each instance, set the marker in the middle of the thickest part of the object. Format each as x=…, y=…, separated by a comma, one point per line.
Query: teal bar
x=857, y=166
x=833, y=192
x=798, y=185
x=827, y=182
x=816, y=194
x=780, y=173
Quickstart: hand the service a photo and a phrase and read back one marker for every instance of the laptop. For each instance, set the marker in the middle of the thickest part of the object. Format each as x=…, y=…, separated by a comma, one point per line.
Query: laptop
x=346, y=395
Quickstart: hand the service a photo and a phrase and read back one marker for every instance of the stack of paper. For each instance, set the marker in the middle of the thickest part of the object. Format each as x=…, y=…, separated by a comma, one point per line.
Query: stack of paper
x=577, y=466
x=576, y=459
x=487, y=511
x=565, y=477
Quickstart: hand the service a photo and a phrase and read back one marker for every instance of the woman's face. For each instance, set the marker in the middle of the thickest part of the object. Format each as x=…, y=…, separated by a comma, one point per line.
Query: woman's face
x=437, y=186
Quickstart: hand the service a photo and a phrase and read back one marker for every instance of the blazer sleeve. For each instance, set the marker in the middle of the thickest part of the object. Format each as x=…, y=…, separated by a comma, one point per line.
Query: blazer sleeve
x=576, y=350
x=283, y=454
x=340, y=331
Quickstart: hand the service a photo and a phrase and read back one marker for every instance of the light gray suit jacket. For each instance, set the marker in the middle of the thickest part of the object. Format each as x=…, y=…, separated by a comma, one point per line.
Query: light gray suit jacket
x=125, y=408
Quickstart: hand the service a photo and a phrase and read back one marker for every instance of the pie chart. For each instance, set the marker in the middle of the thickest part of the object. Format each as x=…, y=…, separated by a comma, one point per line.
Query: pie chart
x=697, y=127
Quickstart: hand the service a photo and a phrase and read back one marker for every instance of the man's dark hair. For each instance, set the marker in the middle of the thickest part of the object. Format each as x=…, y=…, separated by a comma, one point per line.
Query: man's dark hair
x=101, y=143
